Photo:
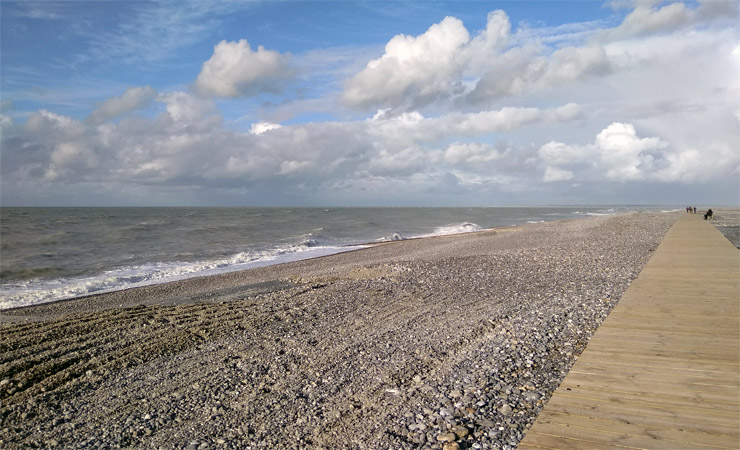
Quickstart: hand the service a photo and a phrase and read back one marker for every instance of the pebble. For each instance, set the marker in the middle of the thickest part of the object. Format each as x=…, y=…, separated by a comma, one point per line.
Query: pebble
x=446, y=437
x=505, y=410
x=461, y=432
x=527, y=301
x=445, y=412
x=486, y=423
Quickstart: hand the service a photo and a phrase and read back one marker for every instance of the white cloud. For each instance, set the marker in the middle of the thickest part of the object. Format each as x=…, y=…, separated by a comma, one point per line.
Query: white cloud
x=646, y=19
x=553, y=174
x=235, y=70
x=558, y=153
x=404, y=161
x=186, y=108
x=74, y=158
x=416, y=69
x=131, y=100
x=473, y=154
x=619, y=154
x=488, y=44
x=651, y=17
x=444, y=64
x=263, y=127
x=458, y=117
x=512, y=72
x=289, y=167
x=524, y=69
x=188, y=145
x=625, y=155
x=572, y=63
x=54, y=127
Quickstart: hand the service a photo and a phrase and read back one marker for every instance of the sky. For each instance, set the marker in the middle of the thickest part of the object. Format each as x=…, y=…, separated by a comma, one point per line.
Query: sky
x=372, y=103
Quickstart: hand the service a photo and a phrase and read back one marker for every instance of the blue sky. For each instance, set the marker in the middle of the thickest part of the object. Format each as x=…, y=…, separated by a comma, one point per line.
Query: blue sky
x=369, y=103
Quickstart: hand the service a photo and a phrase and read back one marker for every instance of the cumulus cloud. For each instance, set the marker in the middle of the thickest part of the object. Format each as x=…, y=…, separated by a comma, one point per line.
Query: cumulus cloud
x=488, y=43
x=70, y=158
x=188, y=145
x=647, y=19
x=471, y=153
x=420, y=68
x=50, y=147
x=554, y=174
x=404, y=161
x=445, y=63
x=522, y=70
x=133, y=99
x=619, y=154
x=624, y=155
x=650, y=18
x=457, y=115
x=235, y=70
x=412, y=127
x=186, y=108
x=572, y=63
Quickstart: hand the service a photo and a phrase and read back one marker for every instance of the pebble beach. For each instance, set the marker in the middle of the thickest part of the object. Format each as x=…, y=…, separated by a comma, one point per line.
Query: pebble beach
x=450, y=342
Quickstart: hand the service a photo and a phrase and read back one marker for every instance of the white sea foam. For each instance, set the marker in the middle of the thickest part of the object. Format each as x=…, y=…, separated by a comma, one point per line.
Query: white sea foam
x=77, y=252
x=34, y=291
x=457, y=228
x=606, y=212
x=392, y=237
x=465, y=227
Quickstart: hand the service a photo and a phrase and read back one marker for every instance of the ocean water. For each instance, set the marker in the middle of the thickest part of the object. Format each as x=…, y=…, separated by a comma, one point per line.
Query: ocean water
x=49, y=254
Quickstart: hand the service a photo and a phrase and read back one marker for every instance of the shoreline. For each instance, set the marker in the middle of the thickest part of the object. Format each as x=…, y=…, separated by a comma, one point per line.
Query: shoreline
x=11, y=315
x=41, y=281
x=459, y=338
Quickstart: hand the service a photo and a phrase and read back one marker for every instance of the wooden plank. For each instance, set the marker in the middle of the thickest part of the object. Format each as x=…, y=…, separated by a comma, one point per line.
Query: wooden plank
x=675, y=384
x=616, y=400
x=539, y=440
x=662, y=432
x=662, y=418
x=623, y=392
x=643, y=440
x=695, y=355
x=671, y=361
x=663, y=370
x=690, y=375
x=676, y=336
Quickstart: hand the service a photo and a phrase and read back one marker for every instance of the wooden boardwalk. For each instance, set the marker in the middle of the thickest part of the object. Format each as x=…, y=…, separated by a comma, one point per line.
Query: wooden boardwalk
x=663, y=370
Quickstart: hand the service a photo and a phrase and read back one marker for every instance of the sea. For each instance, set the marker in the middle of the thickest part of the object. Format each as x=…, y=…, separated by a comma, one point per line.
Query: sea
x=50, y=254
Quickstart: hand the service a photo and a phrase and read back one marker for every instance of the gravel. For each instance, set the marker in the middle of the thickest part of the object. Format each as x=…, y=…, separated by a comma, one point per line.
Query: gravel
x=439, y=343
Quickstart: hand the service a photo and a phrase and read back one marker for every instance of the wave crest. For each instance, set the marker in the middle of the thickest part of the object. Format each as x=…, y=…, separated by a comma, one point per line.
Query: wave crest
x=457, y=228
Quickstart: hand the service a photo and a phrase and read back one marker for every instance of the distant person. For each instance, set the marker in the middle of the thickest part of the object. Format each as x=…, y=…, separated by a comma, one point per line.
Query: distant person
x=709, y=214
x=694, y=209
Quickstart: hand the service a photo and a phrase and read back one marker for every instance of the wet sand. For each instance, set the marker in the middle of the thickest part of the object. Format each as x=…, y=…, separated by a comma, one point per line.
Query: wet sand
x=428, y=343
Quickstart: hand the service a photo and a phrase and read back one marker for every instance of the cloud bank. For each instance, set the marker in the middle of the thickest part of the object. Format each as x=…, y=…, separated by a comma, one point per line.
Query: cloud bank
x=449, y=116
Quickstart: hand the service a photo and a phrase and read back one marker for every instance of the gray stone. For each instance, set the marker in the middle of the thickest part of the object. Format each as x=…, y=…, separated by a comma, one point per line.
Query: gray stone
x=446, y=437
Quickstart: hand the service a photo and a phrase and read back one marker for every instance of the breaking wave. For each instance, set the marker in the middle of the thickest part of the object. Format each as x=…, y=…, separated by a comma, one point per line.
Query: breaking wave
x=36, y=291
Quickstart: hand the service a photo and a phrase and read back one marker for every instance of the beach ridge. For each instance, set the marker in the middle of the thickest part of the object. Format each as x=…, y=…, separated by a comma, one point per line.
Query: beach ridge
x=411, y=345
